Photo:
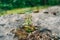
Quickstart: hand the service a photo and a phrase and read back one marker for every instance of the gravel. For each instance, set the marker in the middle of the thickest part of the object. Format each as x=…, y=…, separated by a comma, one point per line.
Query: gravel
x=48, y=21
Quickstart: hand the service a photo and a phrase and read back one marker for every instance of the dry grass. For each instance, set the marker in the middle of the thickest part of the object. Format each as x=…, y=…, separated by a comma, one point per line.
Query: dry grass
x=22, y=10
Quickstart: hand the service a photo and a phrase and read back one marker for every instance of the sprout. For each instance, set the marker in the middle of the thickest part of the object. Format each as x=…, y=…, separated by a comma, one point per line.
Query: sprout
x=28, y=20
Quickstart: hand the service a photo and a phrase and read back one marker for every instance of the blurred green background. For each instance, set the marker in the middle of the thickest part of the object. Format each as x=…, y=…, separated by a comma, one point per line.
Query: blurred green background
x=16, y=4
x=10, y=4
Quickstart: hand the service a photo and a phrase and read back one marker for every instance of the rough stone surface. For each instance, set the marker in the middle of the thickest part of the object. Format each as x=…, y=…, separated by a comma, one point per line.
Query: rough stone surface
x=49, y=21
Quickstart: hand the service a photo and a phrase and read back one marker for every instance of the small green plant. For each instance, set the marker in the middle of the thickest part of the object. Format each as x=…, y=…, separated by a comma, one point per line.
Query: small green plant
x=28, y=20
x=28, y=23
